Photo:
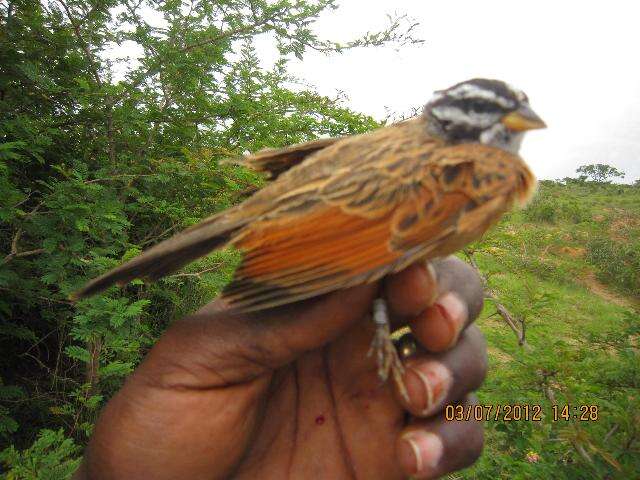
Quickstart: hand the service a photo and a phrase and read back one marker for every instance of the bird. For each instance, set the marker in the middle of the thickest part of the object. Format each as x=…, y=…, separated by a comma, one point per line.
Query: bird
x=349, y=210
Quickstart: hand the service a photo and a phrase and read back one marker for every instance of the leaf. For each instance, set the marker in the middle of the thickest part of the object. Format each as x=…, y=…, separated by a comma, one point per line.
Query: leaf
x=11, y=392
x=7, y=424
x=78, y=353
x=94, y=401
x=116, y=368
x=136, y=308
x=131, y=253
x=82, y=225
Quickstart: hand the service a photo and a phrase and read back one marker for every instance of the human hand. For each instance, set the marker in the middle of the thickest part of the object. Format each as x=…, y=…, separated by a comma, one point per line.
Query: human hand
x=291, y=393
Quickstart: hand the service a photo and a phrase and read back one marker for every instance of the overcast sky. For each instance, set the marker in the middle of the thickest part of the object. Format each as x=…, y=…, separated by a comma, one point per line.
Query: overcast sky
x=578, y=61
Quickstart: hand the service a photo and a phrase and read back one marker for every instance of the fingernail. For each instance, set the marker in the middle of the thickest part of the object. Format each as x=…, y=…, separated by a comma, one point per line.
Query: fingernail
x=435, y=380
x=433, y=282
x=454, y=312
x=419, y=452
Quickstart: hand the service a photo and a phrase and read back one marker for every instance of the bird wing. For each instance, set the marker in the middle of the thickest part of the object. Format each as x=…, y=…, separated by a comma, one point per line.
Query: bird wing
x=407, y=199
x=274, y=161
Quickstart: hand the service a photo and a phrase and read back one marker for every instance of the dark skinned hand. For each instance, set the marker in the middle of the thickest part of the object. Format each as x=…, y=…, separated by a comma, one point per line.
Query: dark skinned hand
x=291, y=393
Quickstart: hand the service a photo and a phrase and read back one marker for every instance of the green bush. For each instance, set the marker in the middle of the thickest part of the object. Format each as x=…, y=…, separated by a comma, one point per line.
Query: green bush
x=573, y=211
x=52, y=457
x=617, y=263
x=541, y=210
x=550, y=209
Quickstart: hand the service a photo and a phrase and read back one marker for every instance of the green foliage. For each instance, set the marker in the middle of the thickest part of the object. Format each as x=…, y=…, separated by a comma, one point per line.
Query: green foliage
x=52, y=456
x=551, y=209
x=8, y=393
x=541, y=211
x=600, y=173
x=617, y=262
x=101, y=158
x=581, y=335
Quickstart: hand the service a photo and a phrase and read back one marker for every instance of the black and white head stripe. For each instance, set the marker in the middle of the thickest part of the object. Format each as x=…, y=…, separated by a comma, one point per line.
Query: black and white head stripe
x=484, y=89
x=464, y=111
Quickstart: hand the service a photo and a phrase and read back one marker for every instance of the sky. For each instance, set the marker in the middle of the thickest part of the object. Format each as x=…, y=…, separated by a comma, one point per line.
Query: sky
x=576, y=60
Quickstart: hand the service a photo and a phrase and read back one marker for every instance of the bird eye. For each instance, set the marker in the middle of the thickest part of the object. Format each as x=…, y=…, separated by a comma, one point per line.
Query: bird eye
x=483, y=106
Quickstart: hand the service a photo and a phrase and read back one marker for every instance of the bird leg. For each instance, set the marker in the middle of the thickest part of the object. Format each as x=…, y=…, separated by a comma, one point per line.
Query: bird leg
x=386, y=354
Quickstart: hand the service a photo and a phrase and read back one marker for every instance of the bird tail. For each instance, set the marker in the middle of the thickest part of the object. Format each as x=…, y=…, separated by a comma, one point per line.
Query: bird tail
x=169, y=255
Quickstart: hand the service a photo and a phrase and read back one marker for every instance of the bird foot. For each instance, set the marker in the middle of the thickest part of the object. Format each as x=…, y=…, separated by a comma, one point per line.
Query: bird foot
x=382, y=346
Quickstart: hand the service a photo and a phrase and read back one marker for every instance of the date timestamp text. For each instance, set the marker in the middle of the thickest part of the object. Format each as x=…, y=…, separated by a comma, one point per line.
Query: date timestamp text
x=520, y=412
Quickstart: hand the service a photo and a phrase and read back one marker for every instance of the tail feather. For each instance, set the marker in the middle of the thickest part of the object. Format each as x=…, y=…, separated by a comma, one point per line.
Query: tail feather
x=167, y=256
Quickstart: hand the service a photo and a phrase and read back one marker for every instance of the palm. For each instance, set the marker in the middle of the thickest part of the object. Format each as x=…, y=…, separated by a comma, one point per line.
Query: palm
x=327, y=415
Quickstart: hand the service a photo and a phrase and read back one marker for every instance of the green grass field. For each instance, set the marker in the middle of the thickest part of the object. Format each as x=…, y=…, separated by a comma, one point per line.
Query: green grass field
x=568, y=269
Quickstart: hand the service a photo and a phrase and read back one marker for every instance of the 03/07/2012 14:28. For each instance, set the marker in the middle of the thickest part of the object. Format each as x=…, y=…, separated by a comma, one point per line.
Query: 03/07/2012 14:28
x=520, y=412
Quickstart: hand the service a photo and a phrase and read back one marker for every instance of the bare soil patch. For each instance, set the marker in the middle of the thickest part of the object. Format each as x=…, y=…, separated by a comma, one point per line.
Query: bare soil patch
x=590, y=281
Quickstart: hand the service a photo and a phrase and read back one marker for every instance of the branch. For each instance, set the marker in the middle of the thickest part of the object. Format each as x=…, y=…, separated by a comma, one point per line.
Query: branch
x=613, y=430
x=549, y=393
x=27, y=253
x=92, y=376
x=111, y=149
x=155, y=68
x=124, y=175
x=14, y=242
x=40, y=297
x=24, y=200
x=227, y=34
x=14, y=249
x=196, y=274
x=83, y=44
x=502, y=310
x=375, y=39
x=152, y=237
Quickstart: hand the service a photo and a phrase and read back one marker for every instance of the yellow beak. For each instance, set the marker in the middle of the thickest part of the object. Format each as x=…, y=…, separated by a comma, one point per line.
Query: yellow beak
x=523, y=119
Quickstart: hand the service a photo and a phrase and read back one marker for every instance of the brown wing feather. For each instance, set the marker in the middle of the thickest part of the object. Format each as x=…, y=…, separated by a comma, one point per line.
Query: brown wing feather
x=343, y=235
x=296, y=256
x=274, y=161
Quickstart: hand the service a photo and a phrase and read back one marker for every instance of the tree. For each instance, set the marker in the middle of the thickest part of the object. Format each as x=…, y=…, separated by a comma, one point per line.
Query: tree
x=93, y=170
x=600, y=173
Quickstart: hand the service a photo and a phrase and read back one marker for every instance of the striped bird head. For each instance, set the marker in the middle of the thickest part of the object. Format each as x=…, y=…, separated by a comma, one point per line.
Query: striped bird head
x=484, y=111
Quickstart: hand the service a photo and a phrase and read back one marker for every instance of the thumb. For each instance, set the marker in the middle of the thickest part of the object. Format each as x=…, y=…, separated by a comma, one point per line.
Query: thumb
x=217, y=346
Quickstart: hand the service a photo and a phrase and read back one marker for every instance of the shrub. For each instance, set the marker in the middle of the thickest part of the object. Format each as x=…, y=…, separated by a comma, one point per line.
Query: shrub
x=52, y=456
x=545, y=209
x=617, y=263
x=541, y=210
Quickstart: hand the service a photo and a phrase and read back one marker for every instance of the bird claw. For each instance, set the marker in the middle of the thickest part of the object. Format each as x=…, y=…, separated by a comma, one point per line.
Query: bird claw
x=382, y=346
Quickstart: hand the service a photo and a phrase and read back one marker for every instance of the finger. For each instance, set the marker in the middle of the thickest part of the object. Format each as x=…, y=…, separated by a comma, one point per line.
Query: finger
x=459, y=302
x=435, y=380
x=220, y=346
x=410, y=291
x=414, y=289
x=432, y=448
x=455, y=275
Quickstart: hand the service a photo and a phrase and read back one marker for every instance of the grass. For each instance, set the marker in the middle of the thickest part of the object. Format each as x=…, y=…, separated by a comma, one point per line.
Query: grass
x=580, y=312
